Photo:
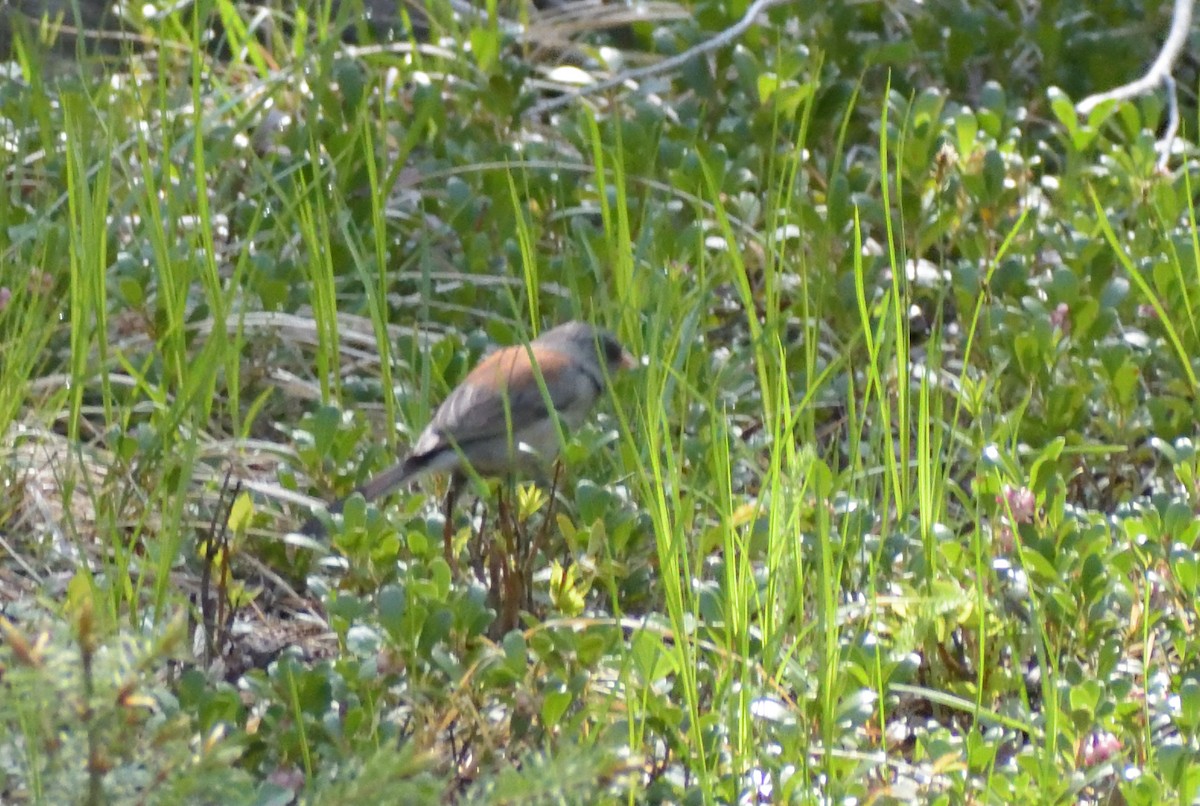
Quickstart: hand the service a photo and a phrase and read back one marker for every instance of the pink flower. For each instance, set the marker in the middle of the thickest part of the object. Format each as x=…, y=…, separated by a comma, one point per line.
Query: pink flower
x=1060, y=317
x=1098, y=748
x=1021, y=503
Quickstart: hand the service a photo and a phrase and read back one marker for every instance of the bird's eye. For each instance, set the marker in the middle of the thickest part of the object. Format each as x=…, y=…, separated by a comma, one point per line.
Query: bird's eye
x=612, y=350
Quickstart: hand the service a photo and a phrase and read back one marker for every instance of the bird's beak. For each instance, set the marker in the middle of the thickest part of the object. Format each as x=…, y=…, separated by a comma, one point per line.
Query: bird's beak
x=627, y=360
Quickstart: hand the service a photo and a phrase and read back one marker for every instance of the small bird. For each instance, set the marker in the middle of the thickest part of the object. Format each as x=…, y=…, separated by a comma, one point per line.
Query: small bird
x=497, y=420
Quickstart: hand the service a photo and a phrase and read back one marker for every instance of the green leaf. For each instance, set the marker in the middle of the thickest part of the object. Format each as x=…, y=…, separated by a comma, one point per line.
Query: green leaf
x=133, y=291
x=435, y=629
x=1039, y=567
x=392, y=603
x=1063, y=109
x=1044, y=467
x=650, y=657
x=994, y=173
x=966, y=128
x=554, y=705
x=351, y=80
x=485, y=44
x=767, y=84
x=325, y=423
x=241, y=512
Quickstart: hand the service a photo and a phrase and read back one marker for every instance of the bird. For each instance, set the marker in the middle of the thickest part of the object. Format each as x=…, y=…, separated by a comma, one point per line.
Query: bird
x=497, y=421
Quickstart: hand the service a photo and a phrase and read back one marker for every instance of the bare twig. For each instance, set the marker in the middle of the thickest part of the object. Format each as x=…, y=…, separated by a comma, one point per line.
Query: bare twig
x=1164, y=145
x=665, y=66
x=1181, y=21
x=1158, y=75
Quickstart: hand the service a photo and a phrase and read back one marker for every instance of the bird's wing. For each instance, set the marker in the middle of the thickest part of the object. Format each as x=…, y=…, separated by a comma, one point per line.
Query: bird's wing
x=503, y=388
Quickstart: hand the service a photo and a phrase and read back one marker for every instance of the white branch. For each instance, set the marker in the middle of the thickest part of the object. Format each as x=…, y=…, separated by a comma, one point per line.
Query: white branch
x=1164, y=145
x=665, y=66
x=1160, y=71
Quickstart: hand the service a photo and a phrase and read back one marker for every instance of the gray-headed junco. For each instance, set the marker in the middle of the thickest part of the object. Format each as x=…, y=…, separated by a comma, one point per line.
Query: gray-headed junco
x=497, y=420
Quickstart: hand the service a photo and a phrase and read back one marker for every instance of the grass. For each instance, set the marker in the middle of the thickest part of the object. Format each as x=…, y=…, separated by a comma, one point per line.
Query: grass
x=900, y=507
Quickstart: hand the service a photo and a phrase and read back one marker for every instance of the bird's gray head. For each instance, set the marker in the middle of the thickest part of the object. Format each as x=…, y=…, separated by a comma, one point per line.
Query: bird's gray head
x=583, y=339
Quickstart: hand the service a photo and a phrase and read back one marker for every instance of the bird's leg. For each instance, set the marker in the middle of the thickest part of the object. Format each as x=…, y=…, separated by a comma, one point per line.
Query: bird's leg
x=456, y=485
x=507, y=522
x=478, y=549
x=509, y=583
x=494, y=552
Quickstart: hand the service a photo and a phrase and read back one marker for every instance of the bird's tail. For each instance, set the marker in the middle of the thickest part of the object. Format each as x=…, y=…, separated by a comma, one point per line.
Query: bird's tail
x=389, y=480
x=382, y=484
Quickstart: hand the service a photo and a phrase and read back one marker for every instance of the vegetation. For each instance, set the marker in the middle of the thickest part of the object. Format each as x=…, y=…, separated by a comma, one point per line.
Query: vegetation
x=901, y=506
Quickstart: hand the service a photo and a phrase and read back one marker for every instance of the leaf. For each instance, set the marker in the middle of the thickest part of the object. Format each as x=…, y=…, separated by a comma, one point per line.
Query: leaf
x=1063, y=109
x=994, y=173
x=650, y=657
x=1189, y=704
x=789, y=98
x=133, y=291
x=485, y=44
x=567, y=596
x=392, y=603
x=554, y=705
x=1045, y=468
x=241, y=513
x=767, y=84
x=515, y=652
x=966, y=128
x=785, y=95
x=325, y=422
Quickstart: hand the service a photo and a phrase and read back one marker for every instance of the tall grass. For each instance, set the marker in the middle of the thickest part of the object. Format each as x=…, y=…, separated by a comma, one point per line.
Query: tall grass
x=804, y=497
